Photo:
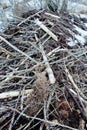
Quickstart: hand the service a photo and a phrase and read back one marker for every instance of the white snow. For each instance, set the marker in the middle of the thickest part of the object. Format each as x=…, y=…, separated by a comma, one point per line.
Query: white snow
x=85, y=24
x=80, y=39
x=83, y=15
x=77, y=7
x=81, y=31
x=71, y=42
x=36, y=4
x=5, y=2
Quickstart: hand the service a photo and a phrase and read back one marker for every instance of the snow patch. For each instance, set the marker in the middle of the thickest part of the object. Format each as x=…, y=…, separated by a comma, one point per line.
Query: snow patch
x=80, y=39
x=85, y=24
x=71, y=42
x=80, y=31
x=77, y=8
x=83, y=16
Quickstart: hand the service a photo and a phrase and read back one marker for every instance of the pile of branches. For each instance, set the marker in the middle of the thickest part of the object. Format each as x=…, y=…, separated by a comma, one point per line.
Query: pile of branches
x=43, y=81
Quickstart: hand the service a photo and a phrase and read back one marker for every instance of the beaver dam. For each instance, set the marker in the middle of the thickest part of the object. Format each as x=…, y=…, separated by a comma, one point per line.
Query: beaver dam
x=43, y=73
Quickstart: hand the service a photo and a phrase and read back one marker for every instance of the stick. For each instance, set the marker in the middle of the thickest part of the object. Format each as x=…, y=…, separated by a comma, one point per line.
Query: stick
x=29, y=18
x=52, y=15
x=48, y=68
x=12, y=94
x=40, y=24
x=74, y=93
x=53, y=51
x=74, y=84
x=15, y=48
x=42, y=120
x=6, y=51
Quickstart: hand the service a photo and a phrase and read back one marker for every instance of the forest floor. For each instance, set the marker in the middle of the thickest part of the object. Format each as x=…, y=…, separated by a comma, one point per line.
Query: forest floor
x=43, y=73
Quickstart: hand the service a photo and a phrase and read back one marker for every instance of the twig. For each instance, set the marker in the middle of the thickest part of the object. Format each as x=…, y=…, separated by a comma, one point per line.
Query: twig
x=74, y=93
x=78, y=101
x=48, y=68
x=14, y=114
x=6, y=51
x=5, y=124
x=74, y=84
x=12, y=94
x=42, y=120
x=15, y=48
x=52, y=15
x=40, y=24
x=53, y=51
x=86, y=74
x=41, y=126
x=82, y=124
x=29, y=18
x=33, y=119
x=9, y=77
x=51, y=123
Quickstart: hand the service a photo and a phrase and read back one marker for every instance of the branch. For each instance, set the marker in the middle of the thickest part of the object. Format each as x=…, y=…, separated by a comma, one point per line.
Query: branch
x=12, y=94
x=40, y=24
x=74, y=84
x=48, y=68
x=15, y=48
